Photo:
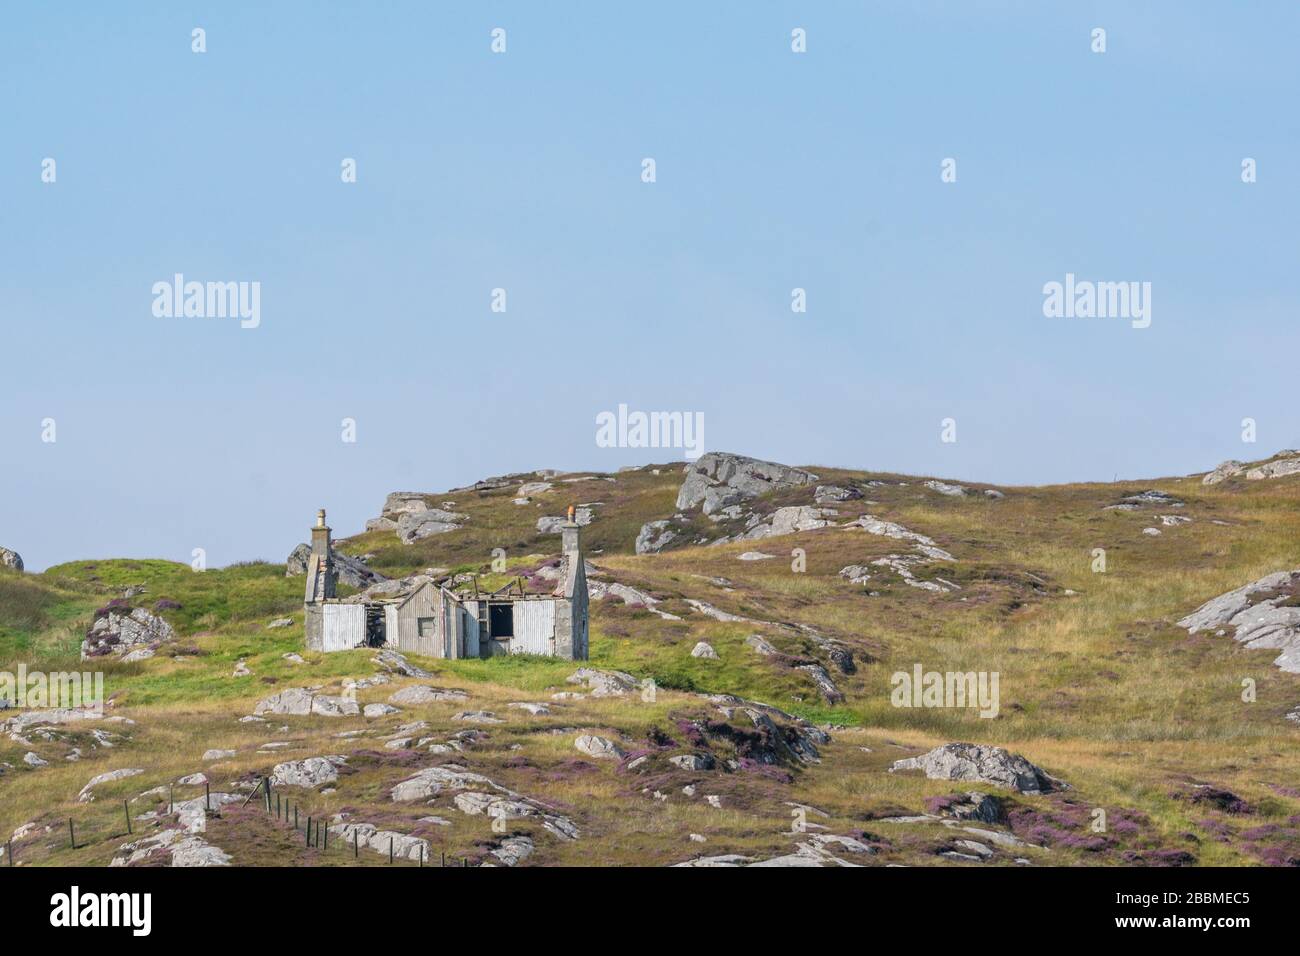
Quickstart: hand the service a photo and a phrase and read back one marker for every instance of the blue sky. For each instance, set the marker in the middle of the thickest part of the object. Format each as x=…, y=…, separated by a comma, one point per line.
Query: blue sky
x=522, y=171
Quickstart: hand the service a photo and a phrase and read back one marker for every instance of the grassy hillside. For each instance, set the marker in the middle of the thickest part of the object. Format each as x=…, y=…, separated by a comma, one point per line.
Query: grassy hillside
x=1098, y=685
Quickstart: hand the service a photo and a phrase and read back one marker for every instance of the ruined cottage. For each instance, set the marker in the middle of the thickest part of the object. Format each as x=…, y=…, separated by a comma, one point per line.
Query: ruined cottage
x=435, y=620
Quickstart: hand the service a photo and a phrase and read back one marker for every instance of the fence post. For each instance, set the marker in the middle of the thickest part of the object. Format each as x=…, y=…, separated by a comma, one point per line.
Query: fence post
x=390, y=849
x=127, y=807
x=295, y=816
x=326, y=844
x=11, y=851
x=72, y=834
x=207, y=796
x=171, y=799
x=356, y=847
x=444, y=858
x=309, y=831
x=421, y=854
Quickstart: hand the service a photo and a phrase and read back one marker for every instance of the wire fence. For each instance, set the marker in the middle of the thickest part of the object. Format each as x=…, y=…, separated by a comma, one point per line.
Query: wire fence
x=285, y=812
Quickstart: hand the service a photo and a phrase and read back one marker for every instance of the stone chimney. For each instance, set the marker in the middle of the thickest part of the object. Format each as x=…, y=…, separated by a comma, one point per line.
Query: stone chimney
x=569, y=541
x=322, y=548
x=320, y=537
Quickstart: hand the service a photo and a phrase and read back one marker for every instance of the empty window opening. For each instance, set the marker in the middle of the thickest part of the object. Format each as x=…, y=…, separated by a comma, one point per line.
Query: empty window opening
x=501, y=620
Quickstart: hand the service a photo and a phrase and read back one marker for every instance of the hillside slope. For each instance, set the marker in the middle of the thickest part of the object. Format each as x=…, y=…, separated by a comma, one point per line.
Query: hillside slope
x=811, y=592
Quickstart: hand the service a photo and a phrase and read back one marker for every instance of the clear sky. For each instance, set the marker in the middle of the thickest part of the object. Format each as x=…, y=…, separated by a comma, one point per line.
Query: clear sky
x=523, y=171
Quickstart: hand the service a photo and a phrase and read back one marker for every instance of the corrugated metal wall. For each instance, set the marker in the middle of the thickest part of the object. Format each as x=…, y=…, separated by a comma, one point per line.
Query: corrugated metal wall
x=344, y=626
x=422, y=605
x=469, y=625
x=534, y=627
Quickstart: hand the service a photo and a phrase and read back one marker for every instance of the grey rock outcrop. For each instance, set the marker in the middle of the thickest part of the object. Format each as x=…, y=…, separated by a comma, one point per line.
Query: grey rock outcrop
x=833, y=493
x=127, y=633
x=297, y=701
x=1260, y=614
x=978, y=763
x=551, y=524
x=424, y=694
x=603, y=683
x=87, y=792
x=655, y=536
x=10, y=559
x=788, y=520
x=952, y=491
x=311, y=772
x=1277, y=468
x=602, y=748
x=351, y=571
x=718, y=479
x=704, y=649
x=414, y=526
x=1223, y=471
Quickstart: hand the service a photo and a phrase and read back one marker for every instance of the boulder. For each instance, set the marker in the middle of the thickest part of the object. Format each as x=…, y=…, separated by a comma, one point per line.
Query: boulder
x=829, y=493
x=10, y=559
x=552, y=525
x=1223, y=471
x=378, y=710
x=978, y=763
x=324, y=705
x=295, y=700
x=855, y=574
x=311, y=772
x=755, y=556
x=1277, y=468
x=530, y=488
x=696, y=762
x=87, y=795
x=366, y=835
x=704, y=649
x=424, y=694
x=952, y=491
x=121, y=631
x=351, y=571
x=396, y=662
x=789, y=520
x=537, y=710
x=972, y=805
x=719, y=479
x=413, y=526
x=404, y=502
x=825, y=686
x=1261, y=615
x=209, y=755
x=599, y=747
x=654, y=536
x=603, y=683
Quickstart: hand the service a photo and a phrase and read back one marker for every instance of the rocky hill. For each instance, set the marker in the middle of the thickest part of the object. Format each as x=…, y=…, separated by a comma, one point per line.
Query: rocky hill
x=774, y=655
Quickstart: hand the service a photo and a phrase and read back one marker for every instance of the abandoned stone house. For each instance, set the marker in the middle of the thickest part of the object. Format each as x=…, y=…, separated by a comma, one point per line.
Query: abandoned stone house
x=437, y=621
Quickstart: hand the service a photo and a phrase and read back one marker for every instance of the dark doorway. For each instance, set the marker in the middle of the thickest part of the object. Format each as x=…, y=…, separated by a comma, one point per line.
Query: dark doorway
x=501, y=620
